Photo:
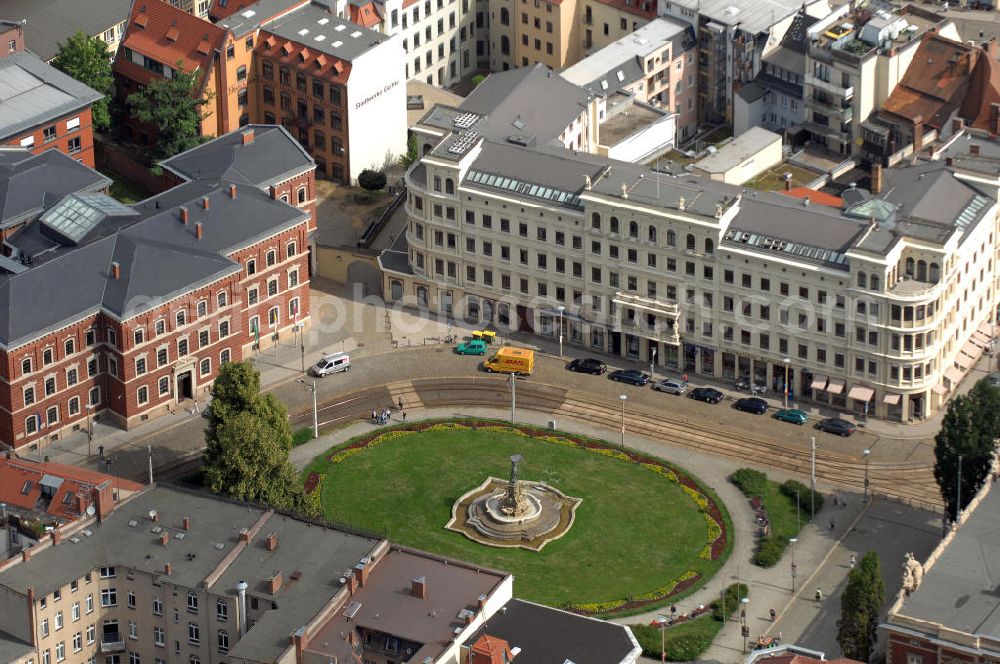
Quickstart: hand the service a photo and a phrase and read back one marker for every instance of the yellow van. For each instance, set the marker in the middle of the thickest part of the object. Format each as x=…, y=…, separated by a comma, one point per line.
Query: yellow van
x=520, y=361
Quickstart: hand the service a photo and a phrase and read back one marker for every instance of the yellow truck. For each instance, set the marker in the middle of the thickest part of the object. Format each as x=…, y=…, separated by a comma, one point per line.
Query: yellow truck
x=520, y=361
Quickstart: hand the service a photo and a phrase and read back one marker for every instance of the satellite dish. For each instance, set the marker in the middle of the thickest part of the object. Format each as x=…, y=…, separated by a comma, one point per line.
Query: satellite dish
x=152, y=514
x=90, y=510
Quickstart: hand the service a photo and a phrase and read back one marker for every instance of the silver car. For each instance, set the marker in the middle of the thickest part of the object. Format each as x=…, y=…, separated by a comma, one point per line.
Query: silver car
x=670, y=386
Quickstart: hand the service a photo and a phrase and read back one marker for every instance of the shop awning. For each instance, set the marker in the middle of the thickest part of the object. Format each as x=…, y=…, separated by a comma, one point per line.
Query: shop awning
x=964, y=361
x=953, y=374
x=892, y=398
x=836, y=386
x=939, y=389
x=972, y=350
x=819, y=382
x=861, y=393
x=985, y=329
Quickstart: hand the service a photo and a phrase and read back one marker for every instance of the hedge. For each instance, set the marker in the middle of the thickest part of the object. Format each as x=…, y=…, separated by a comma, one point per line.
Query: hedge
x=752, y=483
x=688, y=641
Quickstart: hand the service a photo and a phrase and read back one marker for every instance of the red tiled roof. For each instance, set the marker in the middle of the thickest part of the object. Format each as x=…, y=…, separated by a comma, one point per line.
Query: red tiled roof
x=366, y=15
x=15, y=474
x=984, y=89
x=818, y=197
x=147, y=34
x=935, y=82
x=644, y=8
x=316, y=64
x=493, y=647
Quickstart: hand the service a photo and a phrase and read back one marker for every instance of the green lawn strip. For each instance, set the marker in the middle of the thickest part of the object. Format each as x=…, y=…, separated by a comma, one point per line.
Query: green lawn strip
x=779, y=499
x=126, y=191
x=302, y=436
x=688, y=641
x=635, y=531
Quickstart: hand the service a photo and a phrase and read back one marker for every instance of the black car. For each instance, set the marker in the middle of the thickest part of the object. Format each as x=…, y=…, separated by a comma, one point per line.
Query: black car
x=588, y=365
x=707, y=394
x=630, y=376
x=751, y=405
x=836, y=426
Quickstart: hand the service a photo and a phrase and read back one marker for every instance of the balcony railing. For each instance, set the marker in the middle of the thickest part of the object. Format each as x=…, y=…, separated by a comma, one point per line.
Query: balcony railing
x=112, y=643
x=667, y=308
x=832, y=88
x=666, y=334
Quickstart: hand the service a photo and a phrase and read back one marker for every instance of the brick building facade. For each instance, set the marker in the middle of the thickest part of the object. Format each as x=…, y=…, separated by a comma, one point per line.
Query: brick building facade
x=209, y=271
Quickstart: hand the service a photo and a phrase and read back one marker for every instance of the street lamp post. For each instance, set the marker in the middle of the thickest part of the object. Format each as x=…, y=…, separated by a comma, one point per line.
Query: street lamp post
x=623, y=398
x=513, y=395
x=561, y=309
x=315, y=406
x=652, y=362
x=812, y=478
x=662, y=622
x=744, y=627
x=795, y=568
x=867, y=454
x=787, y=361
x=90, y=429
x=958, y=491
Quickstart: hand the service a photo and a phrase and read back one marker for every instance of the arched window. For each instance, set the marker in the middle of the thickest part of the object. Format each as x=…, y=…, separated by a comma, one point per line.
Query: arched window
x=862, y=280
x=909, y=267
x=709, y=246
x=427, y=148
x=921, y=270
x=671, y=238
x=504, y=16
x=652, y=233
x=302, y=195
x=595, y=221
x=613, y=225
x=449, y=186
x=690, y=242
x=935, y=273
x=633, y=230
x=241, y=73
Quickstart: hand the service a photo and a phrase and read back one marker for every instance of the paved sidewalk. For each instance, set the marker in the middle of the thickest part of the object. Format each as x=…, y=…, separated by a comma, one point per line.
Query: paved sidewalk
x=821, y=553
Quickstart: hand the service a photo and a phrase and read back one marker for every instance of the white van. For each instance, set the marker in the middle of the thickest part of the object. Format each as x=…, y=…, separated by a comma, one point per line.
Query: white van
x=331, y=364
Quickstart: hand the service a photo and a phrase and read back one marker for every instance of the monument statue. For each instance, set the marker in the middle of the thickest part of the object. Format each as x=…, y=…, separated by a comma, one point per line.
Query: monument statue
x=913, y=573
x=514, y=503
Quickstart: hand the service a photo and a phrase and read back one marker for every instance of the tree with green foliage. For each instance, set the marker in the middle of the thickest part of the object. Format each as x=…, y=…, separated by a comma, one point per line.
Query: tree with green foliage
x=247, y=443
x=175, y=106
x=860, y=609
x=411, y=155
x=968, y=430
x=372, y=180
x=87, y=60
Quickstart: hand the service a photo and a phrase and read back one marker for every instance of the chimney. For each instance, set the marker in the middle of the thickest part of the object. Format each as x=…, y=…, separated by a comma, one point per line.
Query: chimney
x=418, y=587
x=184, y=215
x=957, y=125
x=876, y=179
x=204, y=202
x=918, y=134
x=974, y=149
x=482, y=602
x=361, y=571
x=241, y=599
x=197, y=229
x=245, y=535
x=56, y=536
x=274, y=192
x=26, y=555
x=186, y=522
x=232, y=191
x=104, y=500
x=271, y=542
x=154, y=515
x=352, y=583
x=168, y=568
x=116, y=270
x=164, y=538
x=275, y=583
x=247, y=136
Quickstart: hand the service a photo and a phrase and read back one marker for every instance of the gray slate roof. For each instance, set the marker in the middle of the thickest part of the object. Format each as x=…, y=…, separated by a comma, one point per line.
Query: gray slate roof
x=272, y=156
x=960, y=590
x=54, y=21
x=12, y=649
x=33, y=93
x=353, y=39
x=249, y=19
x=547, y=636
x=30, y=183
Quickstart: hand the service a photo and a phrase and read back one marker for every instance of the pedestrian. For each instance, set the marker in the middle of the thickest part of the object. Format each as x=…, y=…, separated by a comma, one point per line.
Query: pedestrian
x=374, y=418
x=100, y=451
x=685, y=379
x=835, y=502
x=401, y=403
x=673, y=610
x=194, y=409
x=774, y=615
x=832, y=524
x=819, y=595
x=404, y=416
x=854, y=560
x=843, y=502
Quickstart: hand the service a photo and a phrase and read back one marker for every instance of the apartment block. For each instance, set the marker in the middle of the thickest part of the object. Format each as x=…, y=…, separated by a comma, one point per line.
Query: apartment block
x=47, y=24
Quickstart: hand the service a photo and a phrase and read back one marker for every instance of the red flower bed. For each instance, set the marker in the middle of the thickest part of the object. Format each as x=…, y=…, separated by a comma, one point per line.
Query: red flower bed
x=311, y=482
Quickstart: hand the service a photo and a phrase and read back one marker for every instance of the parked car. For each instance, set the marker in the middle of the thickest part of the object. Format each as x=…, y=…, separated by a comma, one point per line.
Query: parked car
x=630, y=376
x=793, y=415
x=670, y=386
x=474, y=347
x=837, y=426
x=588, y=365
x=707, y=394
x=751, y=405
x=331, y=364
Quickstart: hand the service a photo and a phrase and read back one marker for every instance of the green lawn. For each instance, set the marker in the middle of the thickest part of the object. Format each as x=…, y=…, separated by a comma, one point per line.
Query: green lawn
x=635, y=531
x=688, y=641
x=774, y=178
x=125, y=191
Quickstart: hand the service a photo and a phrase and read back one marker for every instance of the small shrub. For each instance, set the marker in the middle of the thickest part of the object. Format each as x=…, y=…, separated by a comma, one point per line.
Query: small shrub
x=734, y=593
x=769, y=551
x=752, y=483
x=791, y=487
x=372, y=180
x=477, y=79
x=302, y=436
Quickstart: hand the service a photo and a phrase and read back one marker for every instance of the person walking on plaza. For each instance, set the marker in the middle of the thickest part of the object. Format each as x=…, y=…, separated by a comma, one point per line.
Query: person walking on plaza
x=404, y=416
x=819, y=595
x=854, y=560
x=374, y=418
x=774, y=615
x=401, y=403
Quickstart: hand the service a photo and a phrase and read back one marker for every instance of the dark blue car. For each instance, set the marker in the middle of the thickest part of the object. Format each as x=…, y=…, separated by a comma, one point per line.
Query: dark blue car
x=630, y=376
